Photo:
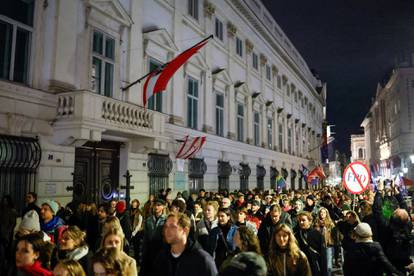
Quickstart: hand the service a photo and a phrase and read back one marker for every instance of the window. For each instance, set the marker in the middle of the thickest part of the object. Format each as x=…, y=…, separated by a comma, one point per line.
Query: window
x=255, y=61
x=279, y=82
x=295, y=96
x=16, y=28
x=268, y=72
x=256, y=128
x=192, y=103
x=239, y=47
x=288, y=90
x=240, y=122
x=219, y=114
x=290, y=140
x=219, y=29
x=360, y=153
x=280, y=137
x=155, y=102
x=270, y=133
x=297, y=142
x=103, y=54
x=303, y=144
x=193, y=8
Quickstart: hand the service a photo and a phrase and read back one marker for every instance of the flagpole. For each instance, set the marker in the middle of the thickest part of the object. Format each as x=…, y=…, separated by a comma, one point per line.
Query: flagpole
x=160, y=67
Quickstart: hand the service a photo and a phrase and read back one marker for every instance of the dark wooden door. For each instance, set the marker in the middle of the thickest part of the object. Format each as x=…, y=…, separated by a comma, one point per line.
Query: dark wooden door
x=96, y=175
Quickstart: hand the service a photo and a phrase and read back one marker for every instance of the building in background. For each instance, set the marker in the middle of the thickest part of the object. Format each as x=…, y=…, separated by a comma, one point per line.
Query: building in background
x=389, y=126
x=69, y=131
x=358, y=148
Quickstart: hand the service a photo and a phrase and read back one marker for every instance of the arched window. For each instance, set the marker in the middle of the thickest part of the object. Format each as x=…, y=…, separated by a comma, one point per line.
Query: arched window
x=360, y=153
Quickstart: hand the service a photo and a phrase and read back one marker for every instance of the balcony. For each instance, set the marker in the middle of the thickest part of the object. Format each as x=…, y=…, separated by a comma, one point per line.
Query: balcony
x=85, y=116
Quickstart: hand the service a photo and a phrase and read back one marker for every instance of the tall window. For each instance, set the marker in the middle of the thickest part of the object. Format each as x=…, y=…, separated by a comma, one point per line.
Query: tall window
x=103, y=55
x=239, y=47
x=360, y=153
x=297, y=142
x=288, y=90
x=279, y=82
x=16, y=28
x=155, y=102
x=270, y=133
x=193, y=8
x=192, y=103
x=280, y=137
x=240, y=122
x=295, y=96
x=304, y=152
x=268, y=72
x=256, y=128
x=289, y=140
x=255, y=61
x=219, y=114
x=219, y=29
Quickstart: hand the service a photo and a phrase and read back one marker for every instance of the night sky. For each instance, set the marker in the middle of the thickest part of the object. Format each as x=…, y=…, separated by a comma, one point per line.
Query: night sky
x=353, y=45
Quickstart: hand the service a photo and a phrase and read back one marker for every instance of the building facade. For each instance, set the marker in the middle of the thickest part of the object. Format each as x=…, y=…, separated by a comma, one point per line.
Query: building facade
x=358, y=148
x=70, y=131
x=389, y=128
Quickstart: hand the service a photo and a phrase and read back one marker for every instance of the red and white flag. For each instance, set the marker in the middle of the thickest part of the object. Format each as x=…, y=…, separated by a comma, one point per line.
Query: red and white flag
x=157, y=81
x=190, y=146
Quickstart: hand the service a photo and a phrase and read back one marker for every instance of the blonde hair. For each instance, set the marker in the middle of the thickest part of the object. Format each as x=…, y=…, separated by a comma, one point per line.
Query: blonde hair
x=327, y=221
x=116, y=232
x=293, y=248
x=72, y=267
x=76, y=234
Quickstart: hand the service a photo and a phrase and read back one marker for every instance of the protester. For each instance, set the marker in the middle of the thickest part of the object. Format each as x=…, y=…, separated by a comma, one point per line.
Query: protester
x=285, y=257
x=31, y=199
x=325, y=225
x=115, y=238
x=242, y=220
x=225, y=242
x=183, y=256
x=207, y=228
x=8, y=216
x=366, y=257
x=72, y=246
x=30, y=223
x=106, y=262
x=33, y=255
x=137, y=229
x=50, y=223
x=68, y=268
x=246, y=241
x=275, y=217
x=153, y=242
x=312, y=243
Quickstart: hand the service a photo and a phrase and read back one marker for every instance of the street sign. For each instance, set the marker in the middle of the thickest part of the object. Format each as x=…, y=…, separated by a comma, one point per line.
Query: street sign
x=356, y=177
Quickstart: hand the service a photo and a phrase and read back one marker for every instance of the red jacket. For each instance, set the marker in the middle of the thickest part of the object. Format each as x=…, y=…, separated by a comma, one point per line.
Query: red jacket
x=35, y=270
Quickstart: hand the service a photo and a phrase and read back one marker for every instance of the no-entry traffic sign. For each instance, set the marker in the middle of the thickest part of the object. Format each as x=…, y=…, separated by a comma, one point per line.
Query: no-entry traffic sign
x=356, y=177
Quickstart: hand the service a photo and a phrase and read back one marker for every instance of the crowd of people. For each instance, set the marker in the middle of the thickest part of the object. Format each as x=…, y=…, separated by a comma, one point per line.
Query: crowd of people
x=307, y=232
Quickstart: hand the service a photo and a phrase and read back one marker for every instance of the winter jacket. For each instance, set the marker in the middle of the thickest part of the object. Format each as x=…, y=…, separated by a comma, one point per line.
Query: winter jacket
x=281, y=263
x=266, y=230
x=225, y=243
x=395, y=235
x=368, y=259
x=207, y=235
x=152, y=243
x=129, y=264
x=80, y=254
x=312, y=243
x=125, y=221
x=53, y=228
x=192, y=261
x=35, y=270
x=29, y=207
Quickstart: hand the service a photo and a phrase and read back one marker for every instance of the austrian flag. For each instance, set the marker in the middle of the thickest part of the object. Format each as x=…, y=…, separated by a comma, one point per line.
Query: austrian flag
x=157, y=80
x=190, y=146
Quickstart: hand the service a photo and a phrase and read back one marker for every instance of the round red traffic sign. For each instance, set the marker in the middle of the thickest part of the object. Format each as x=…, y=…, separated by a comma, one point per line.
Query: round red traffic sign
x=356, y=177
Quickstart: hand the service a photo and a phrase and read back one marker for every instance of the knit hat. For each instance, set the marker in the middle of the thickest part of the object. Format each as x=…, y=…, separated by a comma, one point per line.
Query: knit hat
x=120, y=207
x=52, y=204
x=363, y=230
x=249, y=263
x=30, y=221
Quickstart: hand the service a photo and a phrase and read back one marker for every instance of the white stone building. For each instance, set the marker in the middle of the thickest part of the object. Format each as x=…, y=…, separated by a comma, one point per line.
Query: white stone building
x=69, y=130
x=358, y=148
x=389, y=126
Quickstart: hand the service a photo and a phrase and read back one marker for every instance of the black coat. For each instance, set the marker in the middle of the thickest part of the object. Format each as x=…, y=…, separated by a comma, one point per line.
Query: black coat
x=312, y=243
x=368, y=259
x=266, y=230
x=193, y=261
